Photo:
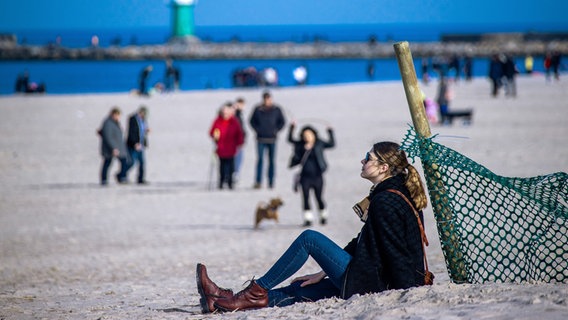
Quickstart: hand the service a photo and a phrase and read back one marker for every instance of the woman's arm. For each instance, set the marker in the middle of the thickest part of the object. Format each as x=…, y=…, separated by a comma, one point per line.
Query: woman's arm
x=331, y=142
x=291, y=132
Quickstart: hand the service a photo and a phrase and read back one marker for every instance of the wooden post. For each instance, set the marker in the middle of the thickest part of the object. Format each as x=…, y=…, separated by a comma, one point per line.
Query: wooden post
x=450, y=239
x=411, y=88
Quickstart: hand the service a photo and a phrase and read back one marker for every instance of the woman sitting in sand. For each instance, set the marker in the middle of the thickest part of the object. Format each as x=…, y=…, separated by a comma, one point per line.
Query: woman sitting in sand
x=387, y=253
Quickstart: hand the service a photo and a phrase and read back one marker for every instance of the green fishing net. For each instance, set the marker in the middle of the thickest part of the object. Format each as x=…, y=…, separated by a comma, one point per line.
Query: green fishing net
x=494, y=228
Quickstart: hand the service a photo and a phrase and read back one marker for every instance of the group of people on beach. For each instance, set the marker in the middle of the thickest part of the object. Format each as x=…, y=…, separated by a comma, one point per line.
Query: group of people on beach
x=502, y=73
x=129, y=151
x=23, y=84
x=171, y=80
x=267, y=120
x=388, y=253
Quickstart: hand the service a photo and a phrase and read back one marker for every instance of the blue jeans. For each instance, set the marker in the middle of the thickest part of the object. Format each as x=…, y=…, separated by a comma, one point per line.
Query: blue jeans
x=271, y=148
x=330, y=257
x=106, y=165
x=238, y=161
x=293, y=293
x=137, y=156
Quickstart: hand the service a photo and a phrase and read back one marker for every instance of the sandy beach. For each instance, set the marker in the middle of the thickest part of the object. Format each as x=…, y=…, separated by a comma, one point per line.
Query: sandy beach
x=71, y=249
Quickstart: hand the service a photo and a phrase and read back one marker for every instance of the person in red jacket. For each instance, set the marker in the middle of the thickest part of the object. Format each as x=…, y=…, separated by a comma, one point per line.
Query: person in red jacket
x=228, y=135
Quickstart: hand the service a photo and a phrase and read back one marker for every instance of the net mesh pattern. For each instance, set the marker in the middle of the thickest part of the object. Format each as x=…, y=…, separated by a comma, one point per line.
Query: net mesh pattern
x=494, y=228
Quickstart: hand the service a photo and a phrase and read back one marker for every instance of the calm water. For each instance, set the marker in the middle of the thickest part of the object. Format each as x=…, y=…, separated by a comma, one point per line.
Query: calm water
x=61, y=77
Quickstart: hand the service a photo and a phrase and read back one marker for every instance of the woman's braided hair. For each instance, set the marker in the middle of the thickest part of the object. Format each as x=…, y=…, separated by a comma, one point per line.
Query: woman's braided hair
x=391, y=154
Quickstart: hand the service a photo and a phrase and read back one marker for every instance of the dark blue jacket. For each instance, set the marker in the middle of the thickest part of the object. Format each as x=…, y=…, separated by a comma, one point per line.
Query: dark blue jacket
x=266, y=122
x=134, y=134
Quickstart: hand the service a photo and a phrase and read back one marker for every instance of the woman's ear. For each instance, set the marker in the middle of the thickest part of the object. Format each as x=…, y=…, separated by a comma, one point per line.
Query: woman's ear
x=384, y=167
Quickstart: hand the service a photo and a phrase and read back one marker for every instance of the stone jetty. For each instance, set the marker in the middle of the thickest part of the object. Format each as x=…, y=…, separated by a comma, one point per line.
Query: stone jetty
x=193, y=49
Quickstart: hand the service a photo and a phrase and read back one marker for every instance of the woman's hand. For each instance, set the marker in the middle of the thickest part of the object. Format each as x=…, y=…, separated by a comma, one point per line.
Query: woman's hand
x=310, y=278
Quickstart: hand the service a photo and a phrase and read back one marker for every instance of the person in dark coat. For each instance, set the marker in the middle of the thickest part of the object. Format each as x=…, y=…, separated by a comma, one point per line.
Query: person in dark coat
x=143, y=80
x=443, y=99
x=308, y=154
x=266, y=120
x=137, y=140
x=386, y=254
x=510, y=72
x=112, y=146
x=495, y=74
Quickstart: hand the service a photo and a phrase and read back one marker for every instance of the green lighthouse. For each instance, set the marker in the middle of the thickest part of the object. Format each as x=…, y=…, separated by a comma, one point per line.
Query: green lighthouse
x=183, y=25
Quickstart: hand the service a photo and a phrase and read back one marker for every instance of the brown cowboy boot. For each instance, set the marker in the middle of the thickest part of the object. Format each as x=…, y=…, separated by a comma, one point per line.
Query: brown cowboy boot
x=253, y=297
x=208, y=290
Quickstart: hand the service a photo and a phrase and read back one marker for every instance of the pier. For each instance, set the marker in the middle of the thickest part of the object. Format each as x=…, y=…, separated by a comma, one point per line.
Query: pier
x=193, y=49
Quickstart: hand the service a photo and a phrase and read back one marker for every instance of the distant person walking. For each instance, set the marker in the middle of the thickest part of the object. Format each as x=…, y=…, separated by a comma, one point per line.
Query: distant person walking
x=143, y=80
x=371, y=70
x=510, y=72
x=455, y=65
x=266, y=120
x=529, y=62
x=239, y=107
x=443, y=99
x=425, y=66
x=495, y=74
x=555, y=63
x=137, y=140
x=228, y=136
x=112, y=146
x=468, y=68
x=22, y=82
x=171, y=78
x=547, y=65
x=308, y=154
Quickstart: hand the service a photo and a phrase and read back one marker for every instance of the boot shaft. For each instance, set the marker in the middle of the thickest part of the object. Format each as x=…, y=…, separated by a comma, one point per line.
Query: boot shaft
x=252, y=297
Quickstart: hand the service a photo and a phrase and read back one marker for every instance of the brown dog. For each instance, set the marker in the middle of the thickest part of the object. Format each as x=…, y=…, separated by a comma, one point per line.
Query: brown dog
x=267, y=211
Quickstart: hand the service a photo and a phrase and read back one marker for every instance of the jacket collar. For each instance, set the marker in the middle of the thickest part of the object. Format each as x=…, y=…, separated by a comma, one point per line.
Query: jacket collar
x=396, y=182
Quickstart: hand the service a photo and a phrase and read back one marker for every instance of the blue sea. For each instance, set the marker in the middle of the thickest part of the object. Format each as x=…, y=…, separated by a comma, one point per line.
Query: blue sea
x=64, y=77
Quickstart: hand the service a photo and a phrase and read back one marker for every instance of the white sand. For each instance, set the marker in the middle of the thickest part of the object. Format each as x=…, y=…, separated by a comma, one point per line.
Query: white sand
x=70, y=249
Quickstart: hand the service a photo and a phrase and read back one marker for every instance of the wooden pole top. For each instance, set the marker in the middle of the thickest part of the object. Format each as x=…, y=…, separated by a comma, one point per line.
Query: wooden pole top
x=412, y=89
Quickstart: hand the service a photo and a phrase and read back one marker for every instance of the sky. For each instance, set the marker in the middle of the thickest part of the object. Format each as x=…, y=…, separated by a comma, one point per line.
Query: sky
x=89, y=14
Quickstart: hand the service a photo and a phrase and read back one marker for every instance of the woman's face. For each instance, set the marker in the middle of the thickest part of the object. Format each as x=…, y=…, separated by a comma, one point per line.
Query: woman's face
x=372, y=169
x=227, y=112
x=309, y=136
